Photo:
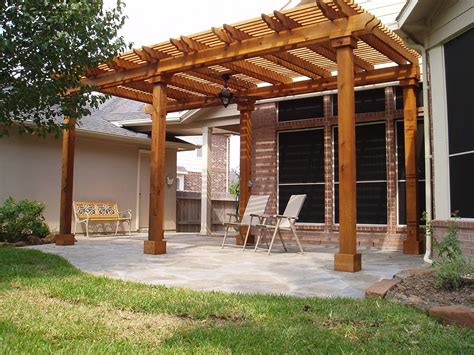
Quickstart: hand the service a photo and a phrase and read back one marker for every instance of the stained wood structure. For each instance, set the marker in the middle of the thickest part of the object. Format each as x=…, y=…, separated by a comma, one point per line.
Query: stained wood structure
x=291, y=52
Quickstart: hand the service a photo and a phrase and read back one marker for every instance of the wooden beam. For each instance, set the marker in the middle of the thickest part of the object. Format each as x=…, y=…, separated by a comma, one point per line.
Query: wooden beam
x=194, y=85
x=127, y=93
x=249, y=48
x=376, y=76
x=328, y=11
x=156, y=243
x=412, y=244
x=284, y=59
x=245, y=162
x=347, y=259
x=329, y=53
x=286, y=21
x=216, y=77
x=65, y=237
x=274, y=24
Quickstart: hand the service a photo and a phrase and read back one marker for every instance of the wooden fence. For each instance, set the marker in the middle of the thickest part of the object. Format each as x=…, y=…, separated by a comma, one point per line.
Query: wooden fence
x=188, y=210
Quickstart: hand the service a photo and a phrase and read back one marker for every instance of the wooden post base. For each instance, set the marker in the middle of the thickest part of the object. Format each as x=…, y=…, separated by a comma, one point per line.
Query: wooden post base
x=65, y=239
x=413, y=247
x=155, y=247
x=347, y=262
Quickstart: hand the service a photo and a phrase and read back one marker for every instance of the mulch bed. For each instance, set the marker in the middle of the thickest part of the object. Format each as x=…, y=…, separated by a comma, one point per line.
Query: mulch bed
x=417, y=289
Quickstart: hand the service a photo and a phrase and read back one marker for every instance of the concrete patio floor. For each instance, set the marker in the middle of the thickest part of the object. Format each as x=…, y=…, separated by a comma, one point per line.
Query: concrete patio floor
x=199, y=263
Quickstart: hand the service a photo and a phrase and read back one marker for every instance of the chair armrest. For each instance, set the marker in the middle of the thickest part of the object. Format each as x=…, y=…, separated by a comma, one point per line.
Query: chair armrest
x=287, y=217
x=129, y=212
x=236, y=216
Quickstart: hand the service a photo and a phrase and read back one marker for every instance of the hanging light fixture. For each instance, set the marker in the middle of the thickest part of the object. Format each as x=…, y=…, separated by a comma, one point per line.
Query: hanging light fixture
x=226, y=95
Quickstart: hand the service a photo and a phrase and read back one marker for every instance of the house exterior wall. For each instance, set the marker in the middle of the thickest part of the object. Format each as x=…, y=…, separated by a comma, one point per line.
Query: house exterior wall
x=30, y=168
x=265, y=128
x=439, y=23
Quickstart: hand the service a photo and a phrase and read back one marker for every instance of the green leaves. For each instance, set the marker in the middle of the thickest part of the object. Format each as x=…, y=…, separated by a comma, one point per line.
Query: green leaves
x=45, y=47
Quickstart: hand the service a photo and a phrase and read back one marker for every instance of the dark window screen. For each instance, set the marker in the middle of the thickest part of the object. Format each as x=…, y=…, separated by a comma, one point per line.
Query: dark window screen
x=459, y=59
x=301, y=157
x=399, y=96
x=291, y=110
x=365, y=101
x=313, y=208
x=371, y=174
x=420, y=156
x=371, y=153
x=301, y=171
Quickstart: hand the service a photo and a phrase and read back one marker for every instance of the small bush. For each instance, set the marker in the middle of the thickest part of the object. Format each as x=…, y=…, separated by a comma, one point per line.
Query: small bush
x=18, y=220
x=450, y=264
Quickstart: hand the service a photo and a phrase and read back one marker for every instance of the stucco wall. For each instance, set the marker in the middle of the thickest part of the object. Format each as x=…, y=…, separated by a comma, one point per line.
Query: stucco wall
x=30, y=167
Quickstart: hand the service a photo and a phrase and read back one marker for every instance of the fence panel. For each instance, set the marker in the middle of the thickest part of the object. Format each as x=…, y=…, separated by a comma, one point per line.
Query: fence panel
x=188, y=210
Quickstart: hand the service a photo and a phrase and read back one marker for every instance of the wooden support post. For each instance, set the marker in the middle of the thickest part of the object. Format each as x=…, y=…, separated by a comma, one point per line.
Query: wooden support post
x=155, y=243
x=206, y=200
x=347, y=259
x=65, y=237
x=412, y=244
x=245, y=163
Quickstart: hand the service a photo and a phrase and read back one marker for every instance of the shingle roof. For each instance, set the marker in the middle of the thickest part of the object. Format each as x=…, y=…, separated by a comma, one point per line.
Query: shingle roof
x=114, y=109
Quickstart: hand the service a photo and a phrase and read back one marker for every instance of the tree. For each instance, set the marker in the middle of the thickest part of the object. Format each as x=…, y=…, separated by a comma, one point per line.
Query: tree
x=45, y=47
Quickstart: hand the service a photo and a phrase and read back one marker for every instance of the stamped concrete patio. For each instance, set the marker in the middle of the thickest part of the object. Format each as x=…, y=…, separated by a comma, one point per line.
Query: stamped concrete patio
x=199, y=263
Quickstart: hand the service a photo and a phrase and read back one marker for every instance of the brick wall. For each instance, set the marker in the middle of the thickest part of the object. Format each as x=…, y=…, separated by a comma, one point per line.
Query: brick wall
x=219, y=175
x=264, y=171
x=465, y=234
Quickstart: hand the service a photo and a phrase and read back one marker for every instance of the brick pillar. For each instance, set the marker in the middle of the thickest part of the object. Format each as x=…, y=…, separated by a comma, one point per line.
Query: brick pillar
x=328, y=161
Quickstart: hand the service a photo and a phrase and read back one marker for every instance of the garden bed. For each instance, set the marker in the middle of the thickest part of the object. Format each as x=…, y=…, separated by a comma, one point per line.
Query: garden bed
x=417, y=289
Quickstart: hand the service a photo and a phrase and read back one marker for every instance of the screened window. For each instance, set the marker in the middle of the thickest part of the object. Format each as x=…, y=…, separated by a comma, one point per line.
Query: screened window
x=291, y=110
x=420, y=156
x=365, y=101
x=371, y=173
x=459, y=56
x=301, y=171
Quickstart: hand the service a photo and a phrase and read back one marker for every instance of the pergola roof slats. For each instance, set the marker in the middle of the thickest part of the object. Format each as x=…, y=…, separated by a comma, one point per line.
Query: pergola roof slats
x=276, y=49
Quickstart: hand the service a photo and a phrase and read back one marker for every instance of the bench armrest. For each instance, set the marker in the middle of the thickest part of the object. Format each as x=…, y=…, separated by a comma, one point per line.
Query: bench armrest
x=129, y=212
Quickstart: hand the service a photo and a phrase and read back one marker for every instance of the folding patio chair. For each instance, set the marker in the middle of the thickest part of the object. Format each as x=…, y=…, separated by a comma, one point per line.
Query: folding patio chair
x=251, y=217
x=285, y=222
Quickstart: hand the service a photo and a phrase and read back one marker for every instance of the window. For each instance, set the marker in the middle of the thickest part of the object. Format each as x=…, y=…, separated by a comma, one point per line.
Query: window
x=459, y=56
x=291, y=110
x=301, y=171
x=420, y=156
x=371, y=169
x=365, y=101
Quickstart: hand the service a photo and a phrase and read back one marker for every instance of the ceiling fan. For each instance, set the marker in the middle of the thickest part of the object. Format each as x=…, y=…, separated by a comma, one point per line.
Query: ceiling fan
x=227, y=96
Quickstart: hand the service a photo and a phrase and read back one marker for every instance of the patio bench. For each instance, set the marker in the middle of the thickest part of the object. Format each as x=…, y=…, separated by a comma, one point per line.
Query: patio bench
x=85, y=212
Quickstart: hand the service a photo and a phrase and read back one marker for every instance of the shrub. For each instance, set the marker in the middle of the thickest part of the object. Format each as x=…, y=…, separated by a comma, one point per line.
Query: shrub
x=18, y=220
x=450, y=264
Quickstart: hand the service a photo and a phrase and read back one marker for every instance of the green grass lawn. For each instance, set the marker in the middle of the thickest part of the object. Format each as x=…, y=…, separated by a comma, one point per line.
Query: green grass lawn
x=46, y=305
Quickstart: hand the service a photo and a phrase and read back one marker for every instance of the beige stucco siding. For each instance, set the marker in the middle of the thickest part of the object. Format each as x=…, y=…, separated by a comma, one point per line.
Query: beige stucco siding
x=30, y=167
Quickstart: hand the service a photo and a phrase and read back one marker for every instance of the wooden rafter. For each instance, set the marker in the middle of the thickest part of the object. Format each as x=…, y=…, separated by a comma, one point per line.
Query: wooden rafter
x=330, y=54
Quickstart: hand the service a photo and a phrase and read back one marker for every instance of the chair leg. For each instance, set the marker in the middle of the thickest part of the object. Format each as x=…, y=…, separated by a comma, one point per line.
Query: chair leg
x=130, y=228
x=282, y=242
x=246, y=237
x=225, y=236
x=273, y=237
x=293, y=229
x=116, y=227
x=87, y=229
x=259, y=237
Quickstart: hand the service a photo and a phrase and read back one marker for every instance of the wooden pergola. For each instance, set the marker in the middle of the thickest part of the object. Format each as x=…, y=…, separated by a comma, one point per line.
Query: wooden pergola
x=291, y=52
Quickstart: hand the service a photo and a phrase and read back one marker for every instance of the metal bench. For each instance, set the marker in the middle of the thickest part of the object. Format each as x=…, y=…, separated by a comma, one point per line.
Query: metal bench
x=85, y=212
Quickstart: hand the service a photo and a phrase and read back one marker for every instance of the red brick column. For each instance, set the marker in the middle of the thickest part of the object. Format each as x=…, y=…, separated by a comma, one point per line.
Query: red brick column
x=328, y=162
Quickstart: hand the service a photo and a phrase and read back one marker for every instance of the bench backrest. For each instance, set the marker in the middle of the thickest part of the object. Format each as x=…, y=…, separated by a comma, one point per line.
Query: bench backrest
x=90, y=209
